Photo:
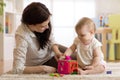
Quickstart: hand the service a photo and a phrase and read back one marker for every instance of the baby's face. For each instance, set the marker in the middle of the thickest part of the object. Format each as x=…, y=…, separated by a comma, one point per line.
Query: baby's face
x=84, y=34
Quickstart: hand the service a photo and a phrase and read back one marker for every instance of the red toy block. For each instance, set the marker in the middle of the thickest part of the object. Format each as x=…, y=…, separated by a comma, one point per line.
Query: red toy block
x=67, y=66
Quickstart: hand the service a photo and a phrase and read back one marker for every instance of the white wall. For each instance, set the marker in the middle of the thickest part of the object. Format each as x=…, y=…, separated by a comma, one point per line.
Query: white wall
x=106, y=7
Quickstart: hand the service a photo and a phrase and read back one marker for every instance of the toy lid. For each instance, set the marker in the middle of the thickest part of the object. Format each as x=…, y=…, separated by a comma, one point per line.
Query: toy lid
x=67, y=58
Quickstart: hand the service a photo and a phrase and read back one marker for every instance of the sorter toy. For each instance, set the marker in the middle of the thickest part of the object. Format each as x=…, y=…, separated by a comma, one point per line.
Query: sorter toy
x=67, y=66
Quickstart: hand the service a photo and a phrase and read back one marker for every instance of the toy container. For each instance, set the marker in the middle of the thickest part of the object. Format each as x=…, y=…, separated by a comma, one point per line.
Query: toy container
x=67, y=66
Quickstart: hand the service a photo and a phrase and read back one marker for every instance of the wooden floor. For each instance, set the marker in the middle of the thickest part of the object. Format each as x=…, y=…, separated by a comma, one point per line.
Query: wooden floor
x=5, y=66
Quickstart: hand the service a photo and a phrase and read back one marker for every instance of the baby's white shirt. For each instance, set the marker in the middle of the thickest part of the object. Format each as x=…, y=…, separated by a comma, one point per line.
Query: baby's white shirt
x=85, y=52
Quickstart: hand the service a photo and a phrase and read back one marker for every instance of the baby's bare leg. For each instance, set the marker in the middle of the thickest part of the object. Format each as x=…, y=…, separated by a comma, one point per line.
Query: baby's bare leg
x=81, y=71
x=97, y=69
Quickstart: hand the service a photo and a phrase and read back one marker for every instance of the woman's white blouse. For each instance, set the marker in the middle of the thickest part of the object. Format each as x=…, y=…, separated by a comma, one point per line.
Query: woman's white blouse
x=26, y=51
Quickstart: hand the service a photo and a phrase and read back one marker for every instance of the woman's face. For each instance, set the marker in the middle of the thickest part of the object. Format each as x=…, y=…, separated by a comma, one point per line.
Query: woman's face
x=40, y=27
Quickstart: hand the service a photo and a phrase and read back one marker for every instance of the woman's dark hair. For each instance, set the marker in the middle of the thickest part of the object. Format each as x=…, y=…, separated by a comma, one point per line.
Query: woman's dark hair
x=37, y=13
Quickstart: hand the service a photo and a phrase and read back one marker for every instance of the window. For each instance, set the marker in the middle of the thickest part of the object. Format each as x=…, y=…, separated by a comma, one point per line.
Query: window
x=65, y=14
x=84, y=8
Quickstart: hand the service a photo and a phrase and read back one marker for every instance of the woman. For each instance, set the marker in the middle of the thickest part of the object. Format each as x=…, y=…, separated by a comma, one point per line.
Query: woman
x=34, y=43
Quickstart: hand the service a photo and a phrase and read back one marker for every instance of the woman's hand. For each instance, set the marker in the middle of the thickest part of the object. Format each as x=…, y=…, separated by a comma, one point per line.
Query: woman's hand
x=49, y=69
x=62, y=58
x=58, y=56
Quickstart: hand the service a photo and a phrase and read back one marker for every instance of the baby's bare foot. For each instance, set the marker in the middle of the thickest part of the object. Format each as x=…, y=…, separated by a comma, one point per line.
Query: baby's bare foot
x=81, y=72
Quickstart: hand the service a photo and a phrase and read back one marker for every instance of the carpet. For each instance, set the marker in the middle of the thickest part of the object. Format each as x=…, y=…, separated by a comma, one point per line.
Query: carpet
x=66, y=77
x=112, y=67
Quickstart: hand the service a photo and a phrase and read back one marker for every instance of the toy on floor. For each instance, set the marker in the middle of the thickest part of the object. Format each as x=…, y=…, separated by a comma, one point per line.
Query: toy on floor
x=56, y=75
x=67, y=66
x=108, y=72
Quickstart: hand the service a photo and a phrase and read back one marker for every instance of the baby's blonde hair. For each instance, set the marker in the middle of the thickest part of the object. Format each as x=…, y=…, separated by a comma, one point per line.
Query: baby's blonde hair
x=86, y=21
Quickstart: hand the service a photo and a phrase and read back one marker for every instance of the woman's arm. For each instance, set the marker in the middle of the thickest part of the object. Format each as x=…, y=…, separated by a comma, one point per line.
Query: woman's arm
x=55, y=48
x=39, y=69
x=19, y=54
x=20, y=58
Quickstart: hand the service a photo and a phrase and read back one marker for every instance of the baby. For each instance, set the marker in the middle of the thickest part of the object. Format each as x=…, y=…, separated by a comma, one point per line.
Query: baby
x=89, y=54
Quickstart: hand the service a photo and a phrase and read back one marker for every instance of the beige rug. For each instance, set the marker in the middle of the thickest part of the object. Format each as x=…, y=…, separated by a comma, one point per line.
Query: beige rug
x=66, y=77
x=113, y=67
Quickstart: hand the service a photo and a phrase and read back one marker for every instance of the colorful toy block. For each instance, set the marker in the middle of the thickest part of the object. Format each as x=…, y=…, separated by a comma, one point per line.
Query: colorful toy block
x=67, y=66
